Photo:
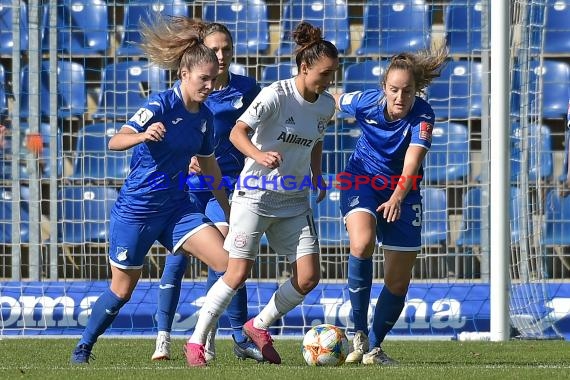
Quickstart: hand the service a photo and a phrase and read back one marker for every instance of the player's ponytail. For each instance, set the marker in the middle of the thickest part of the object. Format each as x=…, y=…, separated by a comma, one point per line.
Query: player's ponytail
x=311, y=45
x=176, y=42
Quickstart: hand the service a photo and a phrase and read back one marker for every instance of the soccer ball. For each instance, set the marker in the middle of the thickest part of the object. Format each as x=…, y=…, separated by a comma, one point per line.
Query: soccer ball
x=325, y=345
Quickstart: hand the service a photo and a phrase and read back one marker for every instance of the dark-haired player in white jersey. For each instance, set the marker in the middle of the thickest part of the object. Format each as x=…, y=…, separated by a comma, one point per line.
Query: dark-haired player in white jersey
x=283, y=161
x=396, y=128
x=232, y=94
x=170, y=128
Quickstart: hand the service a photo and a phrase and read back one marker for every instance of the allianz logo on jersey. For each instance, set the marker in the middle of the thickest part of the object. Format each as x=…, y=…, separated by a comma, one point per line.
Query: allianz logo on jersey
x=293, y=138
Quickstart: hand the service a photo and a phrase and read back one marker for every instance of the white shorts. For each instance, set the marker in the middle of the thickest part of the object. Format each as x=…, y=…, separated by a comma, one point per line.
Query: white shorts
x=293, y=237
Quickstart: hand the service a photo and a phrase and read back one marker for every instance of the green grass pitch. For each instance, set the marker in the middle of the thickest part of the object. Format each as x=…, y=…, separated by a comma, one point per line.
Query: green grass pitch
x=130, y=359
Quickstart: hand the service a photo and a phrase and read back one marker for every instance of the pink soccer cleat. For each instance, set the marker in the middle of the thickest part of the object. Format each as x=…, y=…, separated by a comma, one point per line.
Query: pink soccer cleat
x=195, y=354
x=263, y=341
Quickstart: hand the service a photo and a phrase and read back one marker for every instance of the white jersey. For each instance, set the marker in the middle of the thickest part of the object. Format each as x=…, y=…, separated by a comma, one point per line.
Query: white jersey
x=283, y=122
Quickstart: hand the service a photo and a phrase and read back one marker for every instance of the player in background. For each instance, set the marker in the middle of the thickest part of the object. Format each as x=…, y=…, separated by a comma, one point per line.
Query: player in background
x=288, y=120
x=396, y=128
x=170, y=128
x=232, y=94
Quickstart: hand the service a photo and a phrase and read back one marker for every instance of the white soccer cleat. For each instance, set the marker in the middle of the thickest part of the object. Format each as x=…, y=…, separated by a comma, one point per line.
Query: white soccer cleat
x=360, y=345
x=210, y=346
x=162, y=350
x=378, y=356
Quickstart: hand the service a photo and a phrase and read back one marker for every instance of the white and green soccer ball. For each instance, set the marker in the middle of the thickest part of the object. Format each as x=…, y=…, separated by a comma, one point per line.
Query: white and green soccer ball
x=325, y=345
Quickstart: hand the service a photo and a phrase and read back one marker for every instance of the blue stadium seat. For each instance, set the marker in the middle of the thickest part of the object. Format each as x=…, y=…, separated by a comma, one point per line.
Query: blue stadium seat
x=71, y=90
x=82, y=27
x=463, y=27
x=84, y=213
x=93, y=161
x=328, y=220
x=125, y=86
x=434, y=219
x=556, y=229
x=329, y=15
x=145, y=11
x=394, y=26
x=45, y=157
x=363, y=75
x=470, y=233
x=448, y=158
x=6, y=35
x=539, y=157
x=456, y=94
x=3, y=98
x=337, y=148
x=247, y=21
x=551, y=80
x=238, y=68
x=550, y=29
x=6, y=214
x=280, y=71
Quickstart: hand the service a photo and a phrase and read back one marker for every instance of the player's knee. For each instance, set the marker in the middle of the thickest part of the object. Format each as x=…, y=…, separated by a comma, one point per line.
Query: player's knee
x=361, y=248
x=309, y=283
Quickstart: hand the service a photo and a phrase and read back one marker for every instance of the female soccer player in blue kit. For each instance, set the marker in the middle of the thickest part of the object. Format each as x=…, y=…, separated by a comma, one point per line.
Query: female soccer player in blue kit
x=170, y=128
x=231, y=96
x=396, y=128
x=288, y=120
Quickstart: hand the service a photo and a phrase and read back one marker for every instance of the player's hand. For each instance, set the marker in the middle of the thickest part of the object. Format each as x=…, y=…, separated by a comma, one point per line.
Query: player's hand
x=194, y=166
x=270, y=160
x=320, y=185
x=390, y=210
x=155, y=132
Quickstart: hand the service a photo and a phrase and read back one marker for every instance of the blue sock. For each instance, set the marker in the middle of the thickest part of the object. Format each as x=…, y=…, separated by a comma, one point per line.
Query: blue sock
x=237, y=309
x=103, y=314
x=169, y=290
x=388, y=310
x=359, y=285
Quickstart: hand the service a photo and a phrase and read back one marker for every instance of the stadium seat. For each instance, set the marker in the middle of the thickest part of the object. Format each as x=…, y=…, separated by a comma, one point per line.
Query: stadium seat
x=463, y=27
x=3, y=98
x=84, y=214
x=538, y=144
x=434, y=219
x=93, y=161
x=395, y=26
x=45, y=157
x=6, y=218
x=280, y=71
x=144, y=11
x=363, y=75
x=125, y=86
x=82, y=27
x=456, y=94
x=329, y=15
x=551, y=80
x=71, y=90
x=247, y=21
x=6, y=34
x=556, y=229
x=471, y=224
x=448, y=158
x=337, y=148
x=238, y=68
x=550, y=29
x=328, y=220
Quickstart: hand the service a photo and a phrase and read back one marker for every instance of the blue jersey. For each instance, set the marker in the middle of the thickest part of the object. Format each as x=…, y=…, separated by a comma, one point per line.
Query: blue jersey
x=158, y=171
x=227, y=105
x=381, y=149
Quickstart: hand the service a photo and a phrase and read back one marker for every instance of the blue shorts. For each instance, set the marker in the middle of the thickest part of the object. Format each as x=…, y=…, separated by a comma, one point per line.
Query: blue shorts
x=405, y=234
x=131, y=240
x=209, y=205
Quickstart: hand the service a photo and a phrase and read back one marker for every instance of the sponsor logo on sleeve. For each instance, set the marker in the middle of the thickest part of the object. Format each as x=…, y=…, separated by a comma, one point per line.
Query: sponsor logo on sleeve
x=426, y=131
x=142, y=116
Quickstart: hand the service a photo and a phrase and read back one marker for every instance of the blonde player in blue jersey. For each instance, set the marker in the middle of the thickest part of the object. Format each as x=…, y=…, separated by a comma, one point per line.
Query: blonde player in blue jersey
x=232, y=94
x=380, y=195
x=164, y=133
x=283, y=160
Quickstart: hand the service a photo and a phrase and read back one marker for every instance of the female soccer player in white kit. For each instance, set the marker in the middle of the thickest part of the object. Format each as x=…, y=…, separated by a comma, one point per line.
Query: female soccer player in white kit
x=283, y=161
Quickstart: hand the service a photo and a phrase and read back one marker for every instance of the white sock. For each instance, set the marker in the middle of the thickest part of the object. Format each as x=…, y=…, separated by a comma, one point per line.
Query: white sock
x=164, y=334
x=282, y=301
x=217, y=300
